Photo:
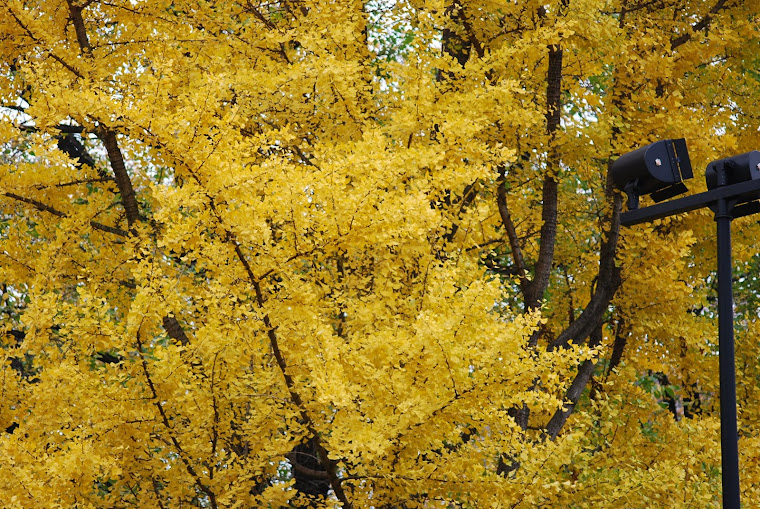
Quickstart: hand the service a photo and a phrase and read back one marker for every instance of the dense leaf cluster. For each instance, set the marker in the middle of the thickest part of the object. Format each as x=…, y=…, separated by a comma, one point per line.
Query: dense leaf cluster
x=364, y=253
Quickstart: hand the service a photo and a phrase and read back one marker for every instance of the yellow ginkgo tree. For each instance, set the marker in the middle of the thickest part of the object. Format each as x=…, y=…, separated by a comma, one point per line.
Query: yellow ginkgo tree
x=364, y=254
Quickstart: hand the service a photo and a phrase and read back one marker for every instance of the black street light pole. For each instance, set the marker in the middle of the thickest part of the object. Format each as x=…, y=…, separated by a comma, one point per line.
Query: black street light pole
x=729, y=436
x=734, y=191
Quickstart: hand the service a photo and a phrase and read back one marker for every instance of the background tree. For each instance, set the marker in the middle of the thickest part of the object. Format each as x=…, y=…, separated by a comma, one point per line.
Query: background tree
x=363, y=253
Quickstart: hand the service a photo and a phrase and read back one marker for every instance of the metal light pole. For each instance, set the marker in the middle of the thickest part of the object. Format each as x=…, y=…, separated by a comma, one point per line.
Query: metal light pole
x=734, y=191
x=729, y=436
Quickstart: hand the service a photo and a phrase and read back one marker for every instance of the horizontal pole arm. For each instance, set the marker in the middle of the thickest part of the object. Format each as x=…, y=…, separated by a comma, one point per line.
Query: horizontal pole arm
x=688, y=203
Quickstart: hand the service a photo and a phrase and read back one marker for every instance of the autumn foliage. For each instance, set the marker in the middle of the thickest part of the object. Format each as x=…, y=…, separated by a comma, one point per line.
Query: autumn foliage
x=365, y=254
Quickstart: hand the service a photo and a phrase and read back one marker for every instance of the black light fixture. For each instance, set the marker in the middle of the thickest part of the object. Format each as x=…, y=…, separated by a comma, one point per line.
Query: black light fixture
x=735, y=170
x=733, y=184
x=657, y=169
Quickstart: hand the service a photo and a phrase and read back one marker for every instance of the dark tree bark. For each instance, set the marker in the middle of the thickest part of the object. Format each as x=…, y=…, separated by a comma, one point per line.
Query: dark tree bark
x=311, y=477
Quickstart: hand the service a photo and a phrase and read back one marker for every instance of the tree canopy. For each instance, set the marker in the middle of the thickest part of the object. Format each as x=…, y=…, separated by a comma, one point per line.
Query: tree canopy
x=365, y=253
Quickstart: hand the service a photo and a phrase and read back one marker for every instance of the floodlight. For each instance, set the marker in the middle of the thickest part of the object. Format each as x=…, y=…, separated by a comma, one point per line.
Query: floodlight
x=738, y=169
x=657, y=169
x=734, y=170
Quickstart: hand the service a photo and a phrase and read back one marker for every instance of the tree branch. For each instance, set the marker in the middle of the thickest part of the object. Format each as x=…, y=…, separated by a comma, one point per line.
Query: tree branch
x=106, y=135
x=75, y=12
x=64, y=128
x=573, y=394
x=310, y=472
x=40, y=187
x=165, y=420
x=453, y=44
x=47, y=208
x=608, y=282
x=699, y=25
x=549, y=193
x=36, y=204
x=514, y=241
x=55, y=57
x=249, y=7
x=174, y=330
x=128, y=197
x=468, y=196
x=618, y=346
x=72, y=147
x=109, y=229
x=473, y=40
x=330, y=465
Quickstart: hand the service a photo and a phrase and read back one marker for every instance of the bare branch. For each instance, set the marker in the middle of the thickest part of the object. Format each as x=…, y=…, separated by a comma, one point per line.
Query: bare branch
x=608, y=282
x=40, y=187
x=549, y=193
x=109, y=229
x=128, y=197
x=618, y=346
x=174, y=330
x=75, y=12
x=514, y=241
x=64, y=128
x=36, y=204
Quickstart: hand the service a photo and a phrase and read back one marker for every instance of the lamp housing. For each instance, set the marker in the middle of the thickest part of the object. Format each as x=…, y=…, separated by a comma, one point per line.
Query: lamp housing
x=734, y=170
x=737, y=169
x=657, y=169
